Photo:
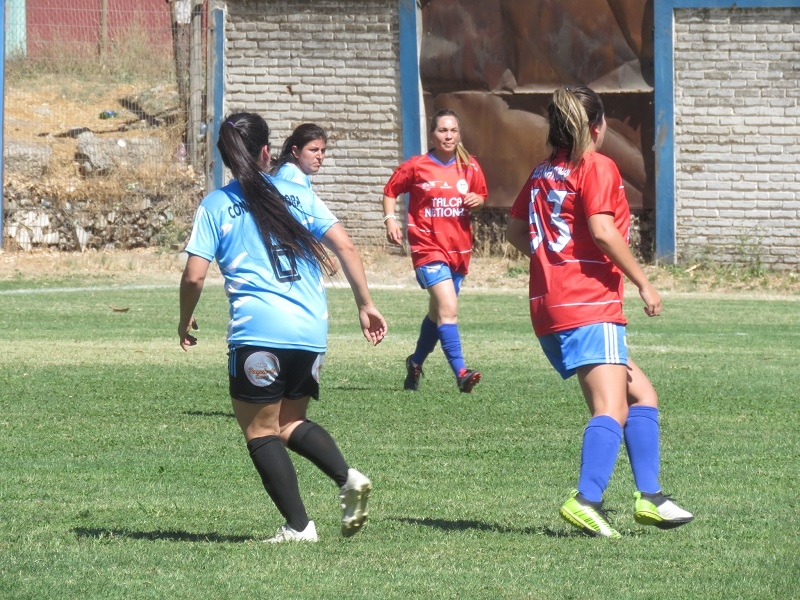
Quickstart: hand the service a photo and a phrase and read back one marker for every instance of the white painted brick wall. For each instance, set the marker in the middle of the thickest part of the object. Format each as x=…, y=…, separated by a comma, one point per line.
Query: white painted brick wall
x=335, y=63
x=737, y=136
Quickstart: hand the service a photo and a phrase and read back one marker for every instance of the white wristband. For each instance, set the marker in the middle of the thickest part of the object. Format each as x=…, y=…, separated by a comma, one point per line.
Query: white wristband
x=387, y=217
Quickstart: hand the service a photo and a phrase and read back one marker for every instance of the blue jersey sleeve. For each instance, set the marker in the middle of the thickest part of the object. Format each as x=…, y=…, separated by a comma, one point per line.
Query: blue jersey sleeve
x=204, y=240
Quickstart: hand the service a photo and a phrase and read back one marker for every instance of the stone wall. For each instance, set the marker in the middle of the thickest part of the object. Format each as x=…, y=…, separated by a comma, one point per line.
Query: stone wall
x=157, y=216
x=120, y=201
x=334, y=63
x=736, y=136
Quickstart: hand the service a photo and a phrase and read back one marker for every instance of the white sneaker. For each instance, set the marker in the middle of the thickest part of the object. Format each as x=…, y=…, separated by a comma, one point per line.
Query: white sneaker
x=354, y=495
x=659, y=510
x=288, y=534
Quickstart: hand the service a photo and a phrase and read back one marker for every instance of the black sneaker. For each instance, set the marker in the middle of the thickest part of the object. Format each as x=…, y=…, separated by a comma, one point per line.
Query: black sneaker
x=413, y=373
x=467, y=380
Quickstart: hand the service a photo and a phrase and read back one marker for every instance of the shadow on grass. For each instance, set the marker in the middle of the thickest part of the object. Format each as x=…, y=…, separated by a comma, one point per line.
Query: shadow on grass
x=464, y=525
x=208, y=413
x=349, y=388
x=175, y=536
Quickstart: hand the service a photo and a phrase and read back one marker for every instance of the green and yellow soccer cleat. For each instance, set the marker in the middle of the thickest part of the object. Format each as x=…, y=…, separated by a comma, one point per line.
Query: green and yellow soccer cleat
x=658, y=510
x=587, y=516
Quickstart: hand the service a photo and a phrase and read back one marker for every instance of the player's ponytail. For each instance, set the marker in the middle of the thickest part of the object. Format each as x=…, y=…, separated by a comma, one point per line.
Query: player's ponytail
x=462, y=157
x=242, y=138
x=571, y=113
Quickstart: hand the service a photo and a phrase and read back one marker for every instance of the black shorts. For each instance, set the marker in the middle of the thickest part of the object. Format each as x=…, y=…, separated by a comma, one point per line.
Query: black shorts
x=266, y=375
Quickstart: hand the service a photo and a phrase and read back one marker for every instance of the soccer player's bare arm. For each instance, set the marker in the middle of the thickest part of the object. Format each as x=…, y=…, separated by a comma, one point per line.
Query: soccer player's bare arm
x=611, y=242
x=518, y=235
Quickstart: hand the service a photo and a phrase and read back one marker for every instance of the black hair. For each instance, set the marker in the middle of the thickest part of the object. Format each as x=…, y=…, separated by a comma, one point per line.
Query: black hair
x=302, y=135
x=242, y=137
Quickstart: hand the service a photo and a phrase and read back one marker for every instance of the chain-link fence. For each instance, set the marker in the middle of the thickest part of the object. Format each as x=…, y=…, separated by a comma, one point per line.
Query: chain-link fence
x=99, y=97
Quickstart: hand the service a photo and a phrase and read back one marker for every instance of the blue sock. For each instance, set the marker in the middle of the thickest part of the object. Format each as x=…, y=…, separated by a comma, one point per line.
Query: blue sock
x=642, y=441
x=451, y=344
x=428, y=337
x=601, y=440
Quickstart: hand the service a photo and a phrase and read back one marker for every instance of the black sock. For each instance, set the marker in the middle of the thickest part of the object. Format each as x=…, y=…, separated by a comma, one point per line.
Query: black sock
x=277, y=472
x=314, y=443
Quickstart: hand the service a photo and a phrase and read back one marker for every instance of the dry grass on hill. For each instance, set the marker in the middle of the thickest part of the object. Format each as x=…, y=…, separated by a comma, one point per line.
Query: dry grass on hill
x=46, y=108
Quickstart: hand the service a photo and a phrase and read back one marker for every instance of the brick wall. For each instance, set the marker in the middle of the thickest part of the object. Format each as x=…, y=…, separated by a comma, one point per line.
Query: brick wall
x=737, y=150
x=331, y=62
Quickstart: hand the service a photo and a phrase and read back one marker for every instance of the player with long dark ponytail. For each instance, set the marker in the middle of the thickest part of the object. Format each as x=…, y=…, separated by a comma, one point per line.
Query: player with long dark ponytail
x=242, y=138
x=268, y=237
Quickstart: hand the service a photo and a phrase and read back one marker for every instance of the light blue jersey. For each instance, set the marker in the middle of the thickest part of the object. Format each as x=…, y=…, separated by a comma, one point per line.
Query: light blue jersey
x=291, y=172
x=273, y=303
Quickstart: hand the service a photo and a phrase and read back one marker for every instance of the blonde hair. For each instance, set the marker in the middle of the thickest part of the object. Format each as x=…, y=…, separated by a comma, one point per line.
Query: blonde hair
x=571, y=114
x=462, y=156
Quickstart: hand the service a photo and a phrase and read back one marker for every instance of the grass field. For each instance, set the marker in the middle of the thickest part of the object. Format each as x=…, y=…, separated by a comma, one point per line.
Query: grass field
x=124, y=474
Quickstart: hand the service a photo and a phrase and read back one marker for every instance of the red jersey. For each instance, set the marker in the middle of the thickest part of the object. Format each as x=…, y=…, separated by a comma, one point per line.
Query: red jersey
x=439, y=229
x=572, y=282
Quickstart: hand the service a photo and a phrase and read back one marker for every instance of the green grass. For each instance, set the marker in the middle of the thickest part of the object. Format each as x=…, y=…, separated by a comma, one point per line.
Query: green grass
x=124, y=474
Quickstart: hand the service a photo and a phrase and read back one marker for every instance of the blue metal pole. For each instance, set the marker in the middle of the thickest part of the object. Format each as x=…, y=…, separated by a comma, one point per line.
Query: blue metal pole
x=409, y=78
x=2, y=107
x=665, y=123
x=218, y=89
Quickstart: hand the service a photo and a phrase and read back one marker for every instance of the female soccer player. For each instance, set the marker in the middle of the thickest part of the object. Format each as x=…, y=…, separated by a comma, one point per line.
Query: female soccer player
x=572, y=219
x=267, y=236
x=443, y=185
x=302, y=154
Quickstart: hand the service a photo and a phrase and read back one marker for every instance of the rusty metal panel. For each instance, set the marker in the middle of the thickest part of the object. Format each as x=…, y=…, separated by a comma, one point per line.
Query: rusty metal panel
x=496, y=63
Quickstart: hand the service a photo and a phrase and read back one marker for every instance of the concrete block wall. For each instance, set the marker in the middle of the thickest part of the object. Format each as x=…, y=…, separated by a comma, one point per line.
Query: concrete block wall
x=737, y=136
x=334, y=63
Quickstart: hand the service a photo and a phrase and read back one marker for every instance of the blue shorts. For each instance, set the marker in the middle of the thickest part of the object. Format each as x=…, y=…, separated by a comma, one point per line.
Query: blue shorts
x=596, y=344
x=436, y=272
x=266, y=375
